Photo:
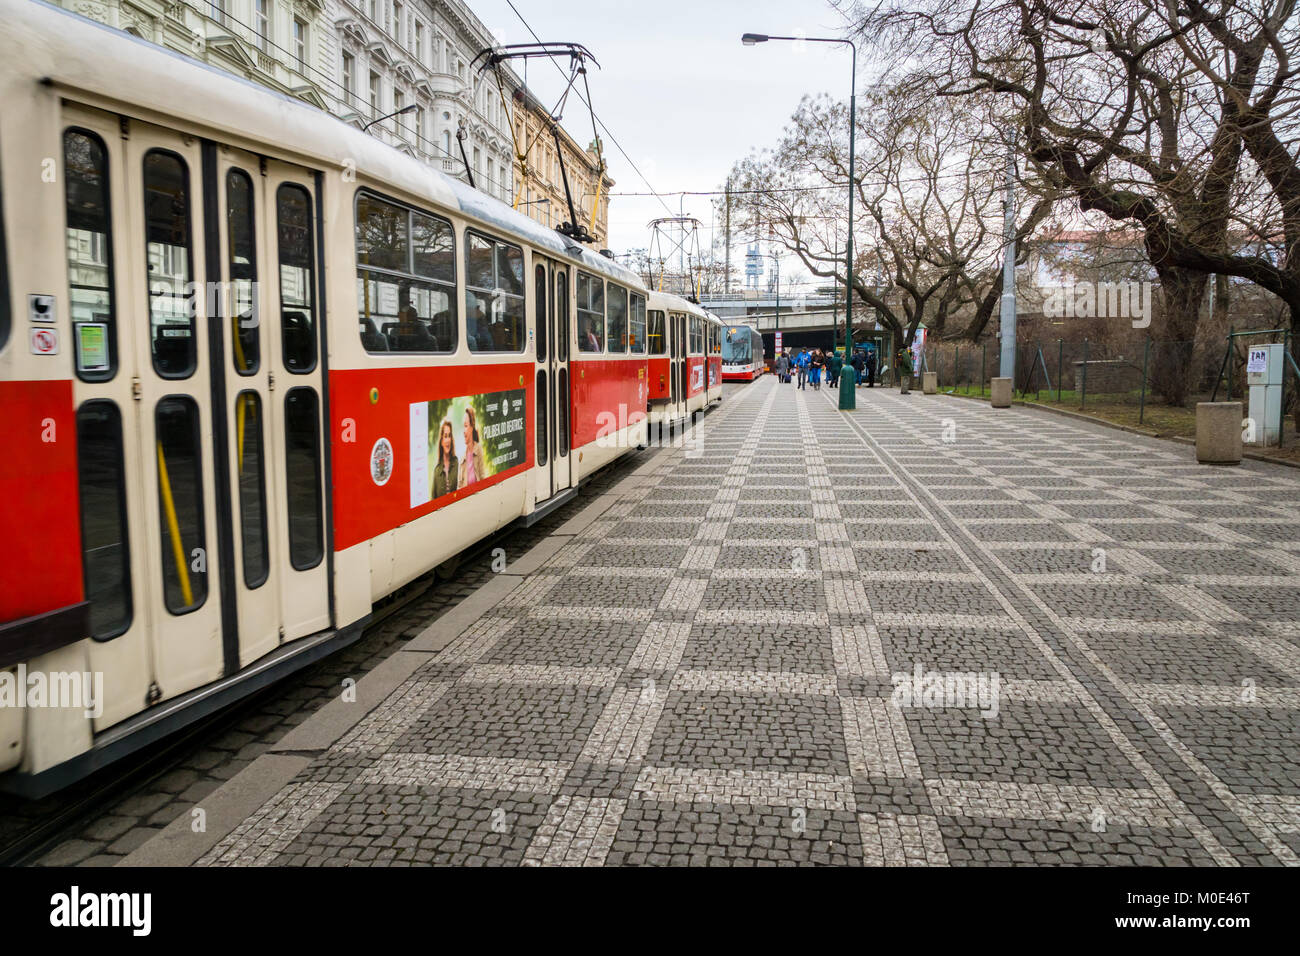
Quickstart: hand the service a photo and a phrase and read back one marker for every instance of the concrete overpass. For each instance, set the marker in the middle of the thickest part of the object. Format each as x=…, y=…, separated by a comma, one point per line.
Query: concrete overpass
x=805, y=321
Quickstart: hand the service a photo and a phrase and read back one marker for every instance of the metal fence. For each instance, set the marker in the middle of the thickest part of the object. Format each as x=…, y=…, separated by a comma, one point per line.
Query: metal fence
x=1139, y=372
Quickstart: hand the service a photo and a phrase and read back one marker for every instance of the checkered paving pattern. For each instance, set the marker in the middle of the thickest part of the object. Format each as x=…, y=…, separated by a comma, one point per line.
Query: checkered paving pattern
x=1102, y=637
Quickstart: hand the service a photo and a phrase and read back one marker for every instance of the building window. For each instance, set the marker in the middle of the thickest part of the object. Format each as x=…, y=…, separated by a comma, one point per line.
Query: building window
x=262, y=23
x=446, y=142
x=374, y=94
x=300, y=44
x=419, y=125
x=397, y=23
x=349, y=73
x=419, y=42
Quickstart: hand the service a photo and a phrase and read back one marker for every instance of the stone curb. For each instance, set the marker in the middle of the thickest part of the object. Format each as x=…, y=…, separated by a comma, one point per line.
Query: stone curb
x=178, y=845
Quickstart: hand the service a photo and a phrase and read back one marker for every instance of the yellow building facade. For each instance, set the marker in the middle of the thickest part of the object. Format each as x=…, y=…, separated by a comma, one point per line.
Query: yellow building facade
x=539, y=184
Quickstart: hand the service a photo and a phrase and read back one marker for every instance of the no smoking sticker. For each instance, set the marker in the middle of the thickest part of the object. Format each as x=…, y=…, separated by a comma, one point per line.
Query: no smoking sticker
x=45, y=342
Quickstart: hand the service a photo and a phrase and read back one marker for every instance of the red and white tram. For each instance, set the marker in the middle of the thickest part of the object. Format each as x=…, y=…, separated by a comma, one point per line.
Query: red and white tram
x=259, y=370
x=685, y=367
x=743, y=358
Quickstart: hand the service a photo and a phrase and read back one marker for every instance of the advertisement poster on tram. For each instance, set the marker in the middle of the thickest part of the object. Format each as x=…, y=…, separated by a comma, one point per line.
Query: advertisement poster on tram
x=456, y=442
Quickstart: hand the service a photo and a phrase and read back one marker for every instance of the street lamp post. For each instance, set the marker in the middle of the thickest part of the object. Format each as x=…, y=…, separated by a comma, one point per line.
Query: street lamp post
x=379, y=119
x=848, y=389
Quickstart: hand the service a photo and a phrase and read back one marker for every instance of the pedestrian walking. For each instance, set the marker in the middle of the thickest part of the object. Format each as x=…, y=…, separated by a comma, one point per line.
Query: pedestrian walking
x=871, y=368
x=802, y=365
x=859, y=361
x=837, y=363
x=815, y=366
x=782, y=368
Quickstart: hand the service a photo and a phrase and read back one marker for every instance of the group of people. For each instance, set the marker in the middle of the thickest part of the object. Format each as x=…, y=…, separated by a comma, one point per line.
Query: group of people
x=807, y=366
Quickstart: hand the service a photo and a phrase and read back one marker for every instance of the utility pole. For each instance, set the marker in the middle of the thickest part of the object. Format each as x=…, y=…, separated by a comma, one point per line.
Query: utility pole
x=727, y=238
x=1007, y=364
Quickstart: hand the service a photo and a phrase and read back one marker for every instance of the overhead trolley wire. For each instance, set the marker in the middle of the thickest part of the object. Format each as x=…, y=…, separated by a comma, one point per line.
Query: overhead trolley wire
x=587, y=102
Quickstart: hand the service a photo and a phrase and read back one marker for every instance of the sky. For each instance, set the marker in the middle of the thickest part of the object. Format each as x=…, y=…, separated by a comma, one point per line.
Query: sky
x=678, y=91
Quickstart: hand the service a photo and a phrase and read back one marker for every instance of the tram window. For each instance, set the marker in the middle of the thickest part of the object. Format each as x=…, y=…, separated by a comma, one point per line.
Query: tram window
x=406, y=278
x=655, y=333
x=696, y=336
x=539, y=309
x=90, y=254
x=180, y=504
x=591, y=313
x=636, y=337
x=167, y=237
x=302, y=478
x=383, y=234
x=562, y=412
x=616, y=307
x=562, y=313
x=494, y=295
x=250, y=463
x=105, y=548
x=297, y=268
x=540, y=401
x=241, y=261
x=433, y=248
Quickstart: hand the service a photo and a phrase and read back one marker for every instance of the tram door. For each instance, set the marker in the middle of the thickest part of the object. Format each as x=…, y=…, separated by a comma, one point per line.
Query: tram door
x=164, y=316
x=551, y=382
x=270, y=345
x=678, y=322
x=225, y=429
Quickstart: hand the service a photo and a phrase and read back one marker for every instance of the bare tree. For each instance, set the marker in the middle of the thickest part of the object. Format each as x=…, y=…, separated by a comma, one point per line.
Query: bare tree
x=929, y=216
x=1112, y=109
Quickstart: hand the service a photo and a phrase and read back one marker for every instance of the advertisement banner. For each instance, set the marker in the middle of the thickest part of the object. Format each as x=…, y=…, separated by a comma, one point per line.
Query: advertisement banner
x=456, y=442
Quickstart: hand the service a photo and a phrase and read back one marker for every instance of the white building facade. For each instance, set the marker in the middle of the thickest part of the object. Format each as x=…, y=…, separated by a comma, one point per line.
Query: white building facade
x=392, y=54
x=358, y=59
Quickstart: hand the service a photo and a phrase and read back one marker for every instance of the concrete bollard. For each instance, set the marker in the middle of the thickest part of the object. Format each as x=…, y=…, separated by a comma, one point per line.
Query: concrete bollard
x=929, y=383
x=1218, y=433
x=1001, y=396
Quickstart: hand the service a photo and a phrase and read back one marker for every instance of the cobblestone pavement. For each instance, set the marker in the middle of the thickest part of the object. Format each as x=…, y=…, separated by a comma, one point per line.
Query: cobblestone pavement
x=125, y=823
x=929, y=632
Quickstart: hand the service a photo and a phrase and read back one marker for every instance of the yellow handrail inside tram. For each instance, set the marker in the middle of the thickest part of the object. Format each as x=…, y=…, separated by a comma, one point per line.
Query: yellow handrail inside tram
x=174, y=528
